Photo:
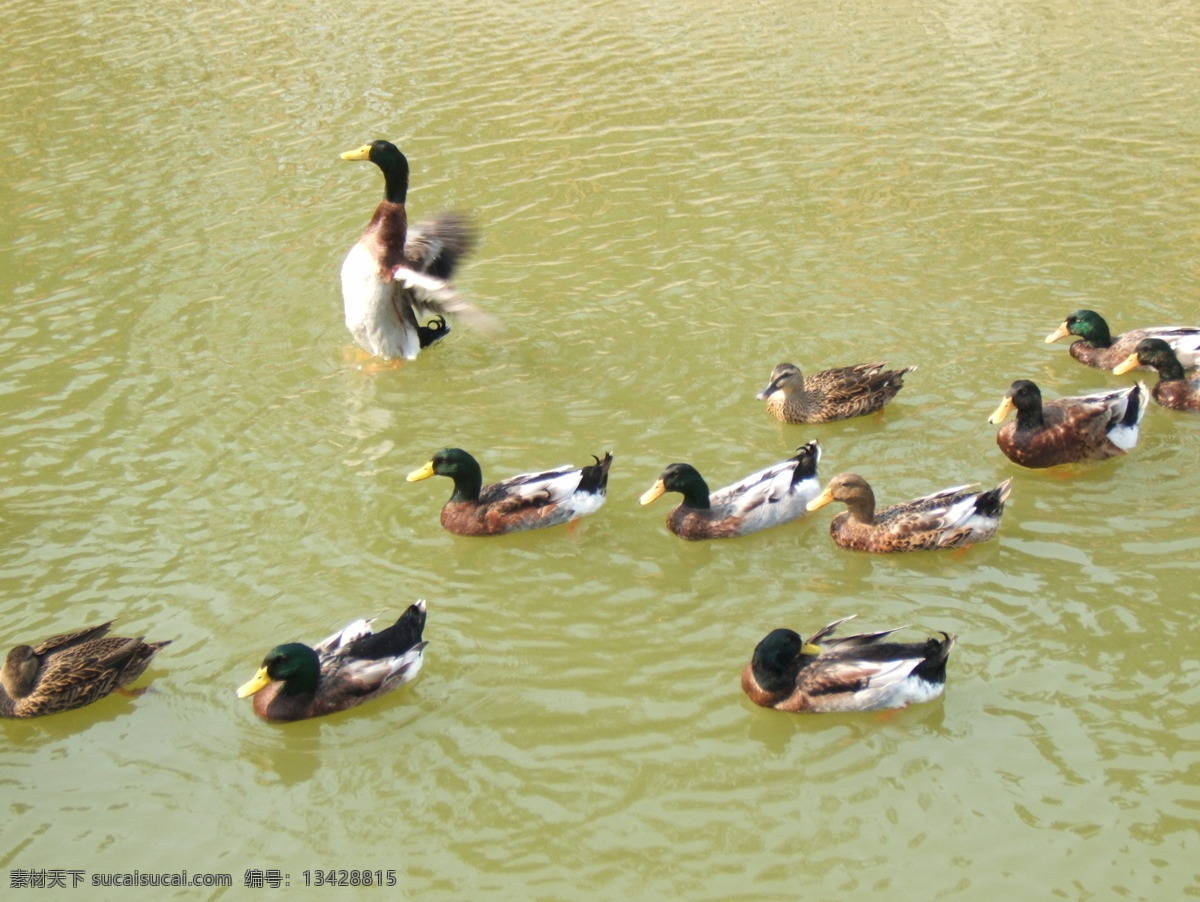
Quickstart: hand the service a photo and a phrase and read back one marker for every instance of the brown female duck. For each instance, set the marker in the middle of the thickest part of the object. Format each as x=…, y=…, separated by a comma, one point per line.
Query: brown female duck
x=837, y=394
x=952, y=518
x=70, y=671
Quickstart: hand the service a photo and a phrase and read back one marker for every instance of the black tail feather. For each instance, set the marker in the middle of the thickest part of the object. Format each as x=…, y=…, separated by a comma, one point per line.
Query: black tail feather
x=594, y=477
x=807, y=457
x=933, y=668
x=1133, y=407
x=395, y=640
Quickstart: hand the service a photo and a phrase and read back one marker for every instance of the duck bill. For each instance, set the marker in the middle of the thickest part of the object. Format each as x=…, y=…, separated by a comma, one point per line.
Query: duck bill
x=653, y=493
x=820, y=501
x=771, y=388
x=1061, y=332
x=424, y=473
x=810, y=650
x=361, y=153
x=1129, y=363
x=1006, y=407
x=256, y=683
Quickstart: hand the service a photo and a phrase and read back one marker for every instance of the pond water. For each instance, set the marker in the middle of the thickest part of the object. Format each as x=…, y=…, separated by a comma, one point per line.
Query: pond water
x=673, y=198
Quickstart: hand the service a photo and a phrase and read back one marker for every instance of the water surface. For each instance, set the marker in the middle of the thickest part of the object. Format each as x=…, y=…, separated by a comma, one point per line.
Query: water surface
x=673, y=197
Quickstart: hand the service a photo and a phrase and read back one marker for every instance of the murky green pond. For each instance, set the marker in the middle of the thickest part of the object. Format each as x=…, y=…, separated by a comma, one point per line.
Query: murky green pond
x=673, y=197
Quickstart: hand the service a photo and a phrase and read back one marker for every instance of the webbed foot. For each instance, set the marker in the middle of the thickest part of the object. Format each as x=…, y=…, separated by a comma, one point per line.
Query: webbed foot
x=437, y=329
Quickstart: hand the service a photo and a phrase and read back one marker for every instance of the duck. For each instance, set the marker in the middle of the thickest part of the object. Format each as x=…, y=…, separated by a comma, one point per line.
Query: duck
x=837, y=394
x=1096, y=346
x=1068, y=430
x=396, y=271
x=854, y=673
x=352, y=666
x=526, y=501
x=71, y=670
x=951, y=518
x=1173, y=389
x=770, y=497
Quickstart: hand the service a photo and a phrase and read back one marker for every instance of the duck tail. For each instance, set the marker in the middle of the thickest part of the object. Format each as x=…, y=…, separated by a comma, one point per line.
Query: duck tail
x=397, y=639
x=594, y=477
x=807, y=457
x=131, y=660
x=894, y=378
x=991, y=504
x=1124, y=432
x=1135, y=408
x=933, y=668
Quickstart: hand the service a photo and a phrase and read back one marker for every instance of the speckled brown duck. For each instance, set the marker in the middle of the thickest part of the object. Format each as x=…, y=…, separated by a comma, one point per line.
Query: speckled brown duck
x=71, y=670
x=837, y=394
x=952, y=518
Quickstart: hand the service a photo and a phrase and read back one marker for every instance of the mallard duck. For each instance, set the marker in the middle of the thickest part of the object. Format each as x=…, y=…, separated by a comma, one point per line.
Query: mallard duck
x=767, y=498
x=352, y=666
x=1096, y=346
x=838, y=394
x=1087, y=427
x=856, y=673
x=527, y=501
x=396, y=271
x=70, y=671
x=1173, y=389
x=952, y=518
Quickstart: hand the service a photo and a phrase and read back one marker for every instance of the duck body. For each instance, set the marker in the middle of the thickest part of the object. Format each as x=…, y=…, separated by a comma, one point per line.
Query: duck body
x=836, y=394
x=1096, y=426
x=526, y=501
x=1173, y=389
x=1097, y=347
x=770, y=497
x=70, y=671
x=352, y=666
x=397, y=272
x=952, y=518
x=854, y=673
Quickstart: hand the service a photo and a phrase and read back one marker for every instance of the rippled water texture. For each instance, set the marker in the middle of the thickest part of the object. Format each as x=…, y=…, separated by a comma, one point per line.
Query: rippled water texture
x=673, y=197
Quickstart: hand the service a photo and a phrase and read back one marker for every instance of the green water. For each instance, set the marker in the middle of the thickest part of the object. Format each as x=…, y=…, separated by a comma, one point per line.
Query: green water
x=673, y=198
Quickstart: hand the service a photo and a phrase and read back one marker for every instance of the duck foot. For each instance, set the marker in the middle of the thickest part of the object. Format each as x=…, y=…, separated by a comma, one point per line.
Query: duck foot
x=437, y=329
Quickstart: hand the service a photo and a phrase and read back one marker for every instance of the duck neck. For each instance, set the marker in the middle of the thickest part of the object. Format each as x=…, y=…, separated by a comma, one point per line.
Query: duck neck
x=468, y=482
x=862, y=506
x=1169, y=369
x=695, y=494
x=1029, y=418
x=395, y=181
x=302, y=683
